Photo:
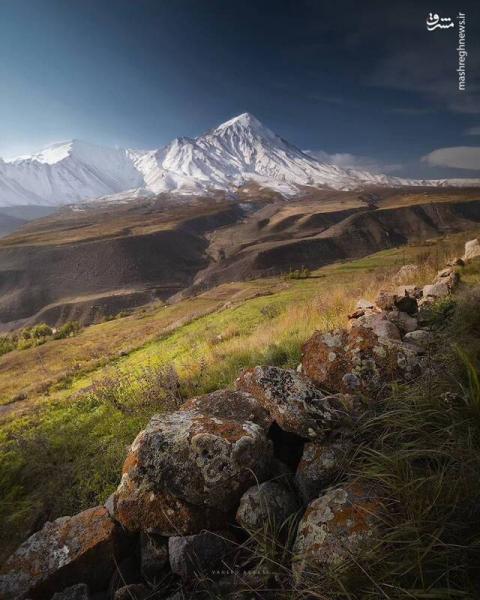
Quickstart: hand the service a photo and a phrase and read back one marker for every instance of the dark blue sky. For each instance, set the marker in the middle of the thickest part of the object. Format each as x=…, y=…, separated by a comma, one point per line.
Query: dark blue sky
x=363, y=78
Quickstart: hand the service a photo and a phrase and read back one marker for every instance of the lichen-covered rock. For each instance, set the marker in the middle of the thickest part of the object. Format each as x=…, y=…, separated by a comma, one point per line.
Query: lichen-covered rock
x=335, y=528
x=357, y=360
x=189, y=467
x=138, y=506
x=436, y=290
x=379, y=324
x=472, y=249
x=294, y=402
x=448, y=276
x=74, y=592
x=420, y=337
x=153, y=556
x=269, y=503
x=199, y=554
x=318, y=467
x=402, y=320
x=82, y=548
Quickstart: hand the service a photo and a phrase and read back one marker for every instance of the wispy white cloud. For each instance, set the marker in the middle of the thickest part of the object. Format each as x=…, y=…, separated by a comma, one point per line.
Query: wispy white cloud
x=458, y=157
x=346, y=160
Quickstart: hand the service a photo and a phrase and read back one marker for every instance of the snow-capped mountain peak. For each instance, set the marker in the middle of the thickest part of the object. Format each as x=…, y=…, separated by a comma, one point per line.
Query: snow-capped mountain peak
x=226, y=157
x=50, y=155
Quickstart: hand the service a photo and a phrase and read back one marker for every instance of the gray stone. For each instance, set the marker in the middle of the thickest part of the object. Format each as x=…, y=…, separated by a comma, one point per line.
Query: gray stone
x=436, y=290
x=403, y=321
x=268, y=503
x=420, y=337
x=318, y=467
x=379, y=324
x=153, y=555
x=202, y=553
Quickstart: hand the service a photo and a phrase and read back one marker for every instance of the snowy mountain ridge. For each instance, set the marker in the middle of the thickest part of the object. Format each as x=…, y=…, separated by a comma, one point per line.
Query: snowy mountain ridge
x=236, y=152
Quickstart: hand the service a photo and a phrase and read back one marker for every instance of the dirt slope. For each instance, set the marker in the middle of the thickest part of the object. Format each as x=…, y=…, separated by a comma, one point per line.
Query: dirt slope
x=90, y=263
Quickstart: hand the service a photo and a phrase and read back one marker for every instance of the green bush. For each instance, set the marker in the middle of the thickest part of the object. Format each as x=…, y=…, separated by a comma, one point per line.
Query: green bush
x=42, y=330
x=6, y=344
x=302, y=273
x=68, y=329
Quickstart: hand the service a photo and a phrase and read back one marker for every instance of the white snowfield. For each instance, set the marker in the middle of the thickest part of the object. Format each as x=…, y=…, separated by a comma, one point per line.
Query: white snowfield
x=239, y=151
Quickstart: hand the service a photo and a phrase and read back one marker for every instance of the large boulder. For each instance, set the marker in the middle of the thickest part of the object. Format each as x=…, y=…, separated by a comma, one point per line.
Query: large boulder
x=472, y=249
x=187, y=469
x=335, y=528
x=83, y=548
x=295, y=403
x=358, y=360
x=267, y=504
x=318, y=467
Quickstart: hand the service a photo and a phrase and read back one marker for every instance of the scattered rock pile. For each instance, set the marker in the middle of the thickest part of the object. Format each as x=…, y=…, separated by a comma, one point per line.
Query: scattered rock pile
x=225, y=464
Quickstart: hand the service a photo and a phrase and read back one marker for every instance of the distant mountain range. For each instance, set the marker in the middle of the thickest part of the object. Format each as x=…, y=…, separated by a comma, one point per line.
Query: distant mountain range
x=230, y=156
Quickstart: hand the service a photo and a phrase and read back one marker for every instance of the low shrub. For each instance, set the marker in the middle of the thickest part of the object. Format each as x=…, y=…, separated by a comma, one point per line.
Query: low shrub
x=7, y=344
x=68, y=329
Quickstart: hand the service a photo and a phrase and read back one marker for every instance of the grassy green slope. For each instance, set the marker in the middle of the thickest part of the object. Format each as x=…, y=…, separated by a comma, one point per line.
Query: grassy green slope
x=65, y=452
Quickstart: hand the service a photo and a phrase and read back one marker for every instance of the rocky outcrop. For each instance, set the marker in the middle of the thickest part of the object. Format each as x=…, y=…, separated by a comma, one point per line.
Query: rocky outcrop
x=383, y=343
x=336, y=527
x=62, y=554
